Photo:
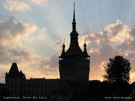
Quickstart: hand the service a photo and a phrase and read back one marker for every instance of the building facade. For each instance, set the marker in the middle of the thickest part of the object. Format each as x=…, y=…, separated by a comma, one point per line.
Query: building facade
x=17, y=84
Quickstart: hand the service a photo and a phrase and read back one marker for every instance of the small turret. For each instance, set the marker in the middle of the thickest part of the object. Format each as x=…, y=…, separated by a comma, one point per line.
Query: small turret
x=85, y=51
x=22, y=75
x=13, y=72
x=63, y=51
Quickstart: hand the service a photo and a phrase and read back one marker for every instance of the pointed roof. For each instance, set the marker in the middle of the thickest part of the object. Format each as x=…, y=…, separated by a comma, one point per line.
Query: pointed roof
x=74, y=51
x=74, y=48
x=13, y=69
x=14, y=72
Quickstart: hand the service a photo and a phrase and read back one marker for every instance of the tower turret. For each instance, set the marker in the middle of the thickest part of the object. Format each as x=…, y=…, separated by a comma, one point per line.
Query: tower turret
x=63, y=51
x=85, y=51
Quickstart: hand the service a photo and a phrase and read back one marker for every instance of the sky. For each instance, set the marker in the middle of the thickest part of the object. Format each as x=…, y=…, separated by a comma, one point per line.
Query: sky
x=32, y=33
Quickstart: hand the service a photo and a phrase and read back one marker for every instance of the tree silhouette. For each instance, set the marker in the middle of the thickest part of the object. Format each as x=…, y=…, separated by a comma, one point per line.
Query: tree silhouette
x=117, y=70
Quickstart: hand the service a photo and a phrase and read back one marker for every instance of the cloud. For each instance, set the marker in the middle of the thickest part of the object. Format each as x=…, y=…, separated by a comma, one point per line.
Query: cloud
x=11, y=30
x=49, y=67
x=4, y=59
x=58, y=46
x=39, y=1
x=21, y=56
x=16, y=5
x=24, y=56
x=119, y=32
x=11, y=47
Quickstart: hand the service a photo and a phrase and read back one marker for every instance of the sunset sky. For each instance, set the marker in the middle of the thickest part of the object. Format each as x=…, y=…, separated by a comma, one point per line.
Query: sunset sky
x=32, y=33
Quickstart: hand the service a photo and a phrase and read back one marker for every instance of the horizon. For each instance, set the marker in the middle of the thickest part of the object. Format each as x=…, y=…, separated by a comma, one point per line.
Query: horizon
x=32, y=34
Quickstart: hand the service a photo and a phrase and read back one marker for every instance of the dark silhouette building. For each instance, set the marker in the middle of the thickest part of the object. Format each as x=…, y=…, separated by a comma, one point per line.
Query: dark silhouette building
x=74, y=63
x=18, y=85
x=73, y=69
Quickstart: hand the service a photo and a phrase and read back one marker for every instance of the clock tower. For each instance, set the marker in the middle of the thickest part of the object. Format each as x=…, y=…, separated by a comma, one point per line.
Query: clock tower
x=73, y=62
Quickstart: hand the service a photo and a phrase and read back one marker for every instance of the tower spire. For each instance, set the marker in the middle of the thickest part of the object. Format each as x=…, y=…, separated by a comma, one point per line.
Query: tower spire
x=63, y=50
x=74, y=22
